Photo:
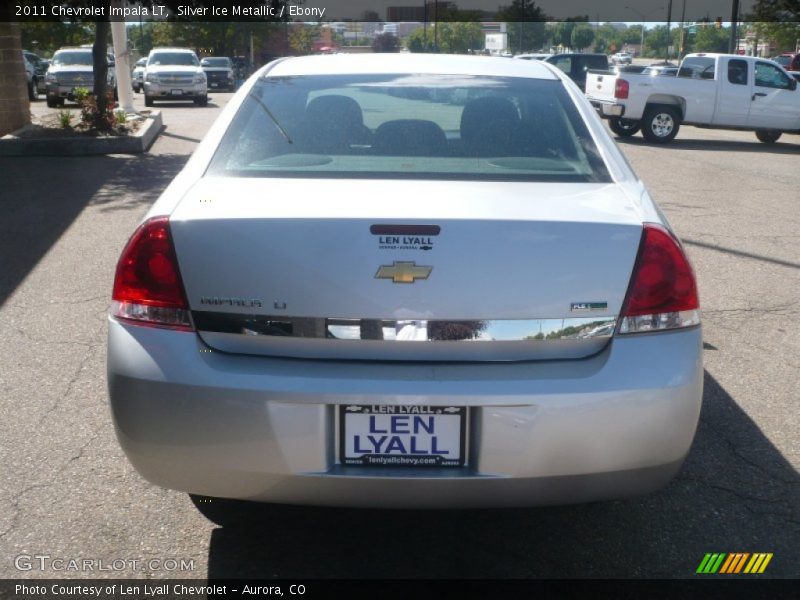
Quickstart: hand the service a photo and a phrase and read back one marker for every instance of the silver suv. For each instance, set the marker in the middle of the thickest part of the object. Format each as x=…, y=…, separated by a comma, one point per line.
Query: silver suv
x=70, y=69
x=174, y=74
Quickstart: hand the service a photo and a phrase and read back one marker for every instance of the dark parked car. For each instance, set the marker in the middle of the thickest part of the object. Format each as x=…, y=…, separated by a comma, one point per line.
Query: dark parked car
x=219, y=71
x=576, y=65
x=40, y=68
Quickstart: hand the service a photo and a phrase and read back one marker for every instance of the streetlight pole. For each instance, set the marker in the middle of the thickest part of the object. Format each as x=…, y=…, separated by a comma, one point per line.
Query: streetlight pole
x=733, y=45
x=669, y=22
x=644, y=16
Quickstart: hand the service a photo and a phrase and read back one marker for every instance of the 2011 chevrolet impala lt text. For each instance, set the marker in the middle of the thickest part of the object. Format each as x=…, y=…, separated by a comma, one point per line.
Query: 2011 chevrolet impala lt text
x=406, y=281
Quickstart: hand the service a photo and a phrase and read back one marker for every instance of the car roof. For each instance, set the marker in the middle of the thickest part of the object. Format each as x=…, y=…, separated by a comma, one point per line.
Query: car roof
x=168, y=49
x=386, y=64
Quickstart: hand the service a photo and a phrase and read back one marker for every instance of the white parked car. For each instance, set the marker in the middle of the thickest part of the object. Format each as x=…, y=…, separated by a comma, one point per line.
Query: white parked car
x=137, y=77
x=622, y=58
x=713, y=90
x=358, y=293
x=174, y=74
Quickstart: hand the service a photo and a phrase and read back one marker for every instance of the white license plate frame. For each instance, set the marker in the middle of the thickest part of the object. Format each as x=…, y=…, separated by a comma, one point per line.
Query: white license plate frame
x=412, y=436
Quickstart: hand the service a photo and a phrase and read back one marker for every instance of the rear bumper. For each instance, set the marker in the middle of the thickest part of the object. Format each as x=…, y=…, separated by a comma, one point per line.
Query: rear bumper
x=613, y=425
x=608, y=109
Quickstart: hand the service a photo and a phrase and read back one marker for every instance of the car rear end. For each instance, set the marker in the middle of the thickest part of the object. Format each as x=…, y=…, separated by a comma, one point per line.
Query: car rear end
x=403, y=315
x=607, y=93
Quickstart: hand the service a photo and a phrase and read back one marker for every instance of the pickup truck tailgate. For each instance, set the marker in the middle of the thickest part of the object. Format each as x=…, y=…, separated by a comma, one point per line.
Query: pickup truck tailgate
x=600, y=85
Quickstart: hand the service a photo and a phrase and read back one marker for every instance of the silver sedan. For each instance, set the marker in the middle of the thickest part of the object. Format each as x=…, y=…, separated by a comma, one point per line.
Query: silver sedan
x=405, y=281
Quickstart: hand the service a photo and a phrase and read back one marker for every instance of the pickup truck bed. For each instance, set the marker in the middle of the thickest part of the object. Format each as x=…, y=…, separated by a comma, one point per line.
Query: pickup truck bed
x=711, y=90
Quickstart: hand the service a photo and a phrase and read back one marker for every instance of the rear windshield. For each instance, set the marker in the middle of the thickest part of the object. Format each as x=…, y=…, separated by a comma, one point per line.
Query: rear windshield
x=72, y=57
x=173, y=58
x=697, y=68
x=215, y=62
x=409, y=126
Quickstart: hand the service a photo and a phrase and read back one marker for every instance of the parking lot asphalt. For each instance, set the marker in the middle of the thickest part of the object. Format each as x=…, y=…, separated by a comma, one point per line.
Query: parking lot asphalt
x=68, y=492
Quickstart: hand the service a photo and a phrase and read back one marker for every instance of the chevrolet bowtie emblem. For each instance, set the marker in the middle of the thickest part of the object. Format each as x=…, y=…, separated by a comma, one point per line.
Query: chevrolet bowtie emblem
x=403, y=272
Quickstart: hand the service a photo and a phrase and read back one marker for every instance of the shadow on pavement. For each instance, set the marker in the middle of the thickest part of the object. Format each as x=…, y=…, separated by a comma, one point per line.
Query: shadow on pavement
x=733, y=251
x=789, y=147
x=736, y=493
x=40, y=197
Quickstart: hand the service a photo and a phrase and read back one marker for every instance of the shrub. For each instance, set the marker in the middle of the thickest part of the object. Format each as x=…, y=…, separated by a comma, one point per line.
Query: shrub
x=65, y=118
x=90, y=115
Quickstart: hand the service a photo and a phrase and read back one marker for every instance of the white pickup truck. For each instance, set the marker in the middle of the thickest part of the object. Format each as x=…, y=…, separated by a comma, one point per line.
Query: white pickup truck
x=719, y=91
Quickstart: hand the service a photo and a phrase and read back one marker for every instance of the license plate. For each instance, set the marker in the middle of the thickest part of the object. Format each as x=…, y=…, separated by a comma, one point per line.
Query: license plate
x=402, y=436
x=213, y=85
x=176, y=92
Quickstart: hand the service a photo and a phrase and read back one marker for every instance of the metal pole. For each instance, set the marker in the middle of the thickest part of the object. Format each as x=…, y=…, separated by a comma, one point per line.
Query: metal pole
x=733, y=46
x=641, y=44
x=669, y=22
x=683, y=28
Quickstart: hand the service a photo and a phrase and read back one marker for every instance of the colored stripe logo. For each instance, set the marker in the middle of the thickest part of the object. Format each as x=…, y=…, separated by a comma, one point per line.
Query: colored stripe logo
x=734, y=563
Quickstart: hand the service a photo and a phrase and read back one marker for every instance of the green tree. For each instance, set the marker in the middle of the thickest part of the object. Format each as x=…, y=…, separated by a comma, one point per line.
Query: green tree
x=45, y=38
x=417, y=41
x=526, y=25
x=711, y=39
x=302, y=37
x=562, y=33
x=582, y=37
x=385, y=42
x=783, y=34
x=655, y=42
x=459, y=38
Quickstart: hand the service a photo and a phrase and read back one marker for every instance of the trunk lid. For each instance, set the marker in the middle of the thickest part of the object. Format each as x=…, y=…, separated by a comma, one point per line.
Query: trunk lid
x=600, y=86
x=316, y=268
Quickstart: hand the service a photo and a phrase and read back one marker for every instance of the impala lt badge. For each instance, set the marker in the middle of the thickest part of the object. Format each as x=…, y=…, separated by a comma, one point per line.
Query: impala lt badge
x=403, y=272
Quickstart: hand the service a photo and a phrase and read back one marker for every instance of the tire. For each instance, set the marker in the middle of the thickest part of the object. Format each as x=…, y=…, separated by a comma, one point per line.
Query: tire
x=768, y=136
x=52, y=103
x=148, y=101
x=33, y=90
x=660, y=124
x=116, y=93
x=624, y=127
x=229, y=513
x=201, y=101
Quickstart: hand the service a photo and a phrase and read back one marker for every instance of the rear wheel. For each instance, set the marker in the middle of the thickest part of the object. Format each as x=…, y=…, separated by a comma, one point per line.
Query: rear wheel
x=660, y=124
x=148, y=101
x=768, y=136
x=33, y=89
x=624, y=127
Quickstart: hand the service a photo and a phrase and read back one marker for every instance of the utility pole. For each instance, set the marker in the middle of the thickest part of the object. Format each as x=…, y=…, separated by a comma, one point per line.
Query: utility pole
x=733, y=46
x=669, y=22
x=683, y=30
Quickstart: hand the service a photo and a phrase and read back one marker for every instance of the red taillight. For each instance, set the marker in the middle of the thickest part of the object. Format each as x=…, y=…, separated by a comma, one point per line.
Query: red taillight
x=147, y=285
x=621, y=89
x=663, y=291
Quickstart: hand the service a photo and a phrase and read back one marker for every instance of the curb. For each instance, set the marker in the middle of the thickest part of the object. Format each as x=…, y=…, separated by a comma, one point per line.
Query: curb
x=140, y=141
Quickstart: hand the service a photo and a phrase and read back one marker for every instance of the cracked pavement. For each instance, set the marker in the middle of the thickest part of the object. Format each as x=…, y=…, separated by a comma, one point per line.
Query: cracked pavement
x=67, y=491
